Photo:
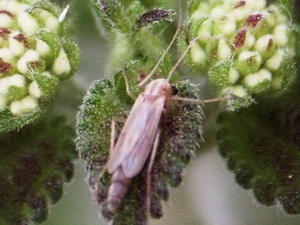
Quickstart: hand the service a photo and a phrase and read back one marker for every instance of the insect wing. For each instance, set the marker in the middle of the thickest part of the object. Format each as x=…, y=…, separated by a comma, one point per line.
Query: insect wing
x=136, y=138
x=135, y=161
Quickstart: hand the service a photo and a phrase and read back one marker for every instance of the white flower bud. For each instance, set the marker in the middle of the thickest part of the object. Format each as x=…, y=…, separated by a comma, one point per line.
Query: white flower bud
x=5, y=20
x=249, y=41
x=252, y=80
x=270, y=19
x=16, y=7
x=237, y=90
x=4, y=85
x=218, y=12
x=233, y=75
x=224, y=50
x=241, y=13
x=197, y=54
x=27, y=23
x=25, y=105
x=61, y=64
x=228, y=27
x=264, y=43
x=205, y=29
x=34, y=89
x=280, y=35
x=29, y=56
x=17, y=80
x=47, y=74
x=42, y=48
x=275, y=61
x=253, y=55
x=256, y=4
x=198, y=14
x=17, y=48
x=6, y=55
x=51, y=22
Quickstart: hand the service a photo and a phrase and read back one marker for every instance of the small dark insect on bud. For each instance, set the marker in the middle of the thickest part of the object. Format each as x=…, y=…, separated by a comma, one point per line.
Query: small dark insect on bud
x=155, y=15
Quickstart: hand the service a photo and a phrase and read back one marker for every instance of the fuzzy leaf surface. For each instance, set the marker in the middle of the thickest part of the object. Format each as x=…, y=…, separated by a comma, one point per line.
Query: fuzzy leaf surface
x=181, y=135
x=35, y=162
x=261, y=145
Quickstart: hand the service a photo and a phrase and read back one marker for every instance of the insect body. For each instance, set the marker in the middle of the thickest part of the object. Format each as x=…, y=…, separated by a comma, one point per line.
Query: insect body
x=136, y=139
x=140, y=133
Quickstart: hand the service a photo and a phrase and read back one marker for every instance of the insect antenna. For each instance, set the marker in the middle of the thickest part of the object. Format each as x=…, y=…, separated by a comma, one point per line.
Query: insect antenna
x=187, y=50
x=144, y=81
x=181, y=59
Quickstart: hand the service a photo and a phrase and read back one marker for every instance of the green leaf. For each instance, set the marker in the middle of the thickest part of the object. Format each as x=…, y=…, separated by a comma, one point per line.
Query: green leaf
x=261, y=145
x=115, y=14
x=181, y=135
x=35, y=162
x=136, y=32
x=48, y=6
x=218, y=74
x=10, y=121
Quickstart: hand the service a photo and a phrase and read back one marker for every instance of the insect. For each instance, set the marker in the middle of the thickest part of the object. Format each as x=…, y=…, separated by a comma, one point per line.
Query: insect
x=140, y=134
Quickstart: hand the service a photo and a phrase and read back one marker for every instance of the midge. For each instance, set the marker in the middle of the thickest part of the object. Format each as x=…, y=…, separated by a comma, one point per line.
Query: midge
x=141, y=132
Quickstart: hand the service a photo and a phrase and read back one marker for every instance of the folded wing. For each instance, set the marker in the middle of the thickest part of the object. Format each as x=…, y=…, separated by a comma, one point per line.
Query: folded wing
x=136, y=138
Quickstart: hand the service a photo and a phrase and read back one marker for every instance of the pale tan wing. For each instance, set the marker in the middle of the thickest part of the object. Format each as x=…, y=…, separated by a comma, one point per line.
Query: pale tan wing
x=135, y=161
x=138, y=132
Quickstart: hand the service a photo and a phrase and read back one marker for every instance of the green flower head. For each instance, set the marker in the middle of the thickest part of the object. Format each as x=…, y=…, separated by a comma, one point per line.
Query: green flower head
x=34, y=58
x=245, y=47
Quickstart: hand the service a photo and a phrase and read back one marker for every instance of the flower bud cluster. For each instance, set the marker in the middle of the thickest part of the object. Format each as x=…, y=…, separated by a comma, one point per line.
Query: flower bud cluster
x=33, y=56
x=246, y=46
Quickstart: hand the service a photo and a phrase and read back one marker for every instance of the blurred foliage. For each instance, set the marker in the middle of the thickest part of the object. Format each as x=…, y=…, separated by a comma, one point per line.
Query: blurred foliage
x=35, y=163
x=261, y=145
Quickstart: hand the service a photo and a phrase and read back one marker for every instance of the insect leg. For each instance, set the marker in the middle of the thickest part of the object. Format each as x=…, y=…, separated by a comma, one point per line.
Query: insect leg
x=144, y=81
x=175, y=98
x=128, y=90
x=104, y=169
x=149, y=170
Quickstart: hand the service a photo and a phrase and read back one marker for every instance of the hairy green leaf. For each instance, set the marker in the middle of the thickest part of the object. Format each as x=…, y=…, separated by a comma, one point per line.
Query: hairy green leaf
x=261, y=145
x=35, y=162
x=181, y=135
